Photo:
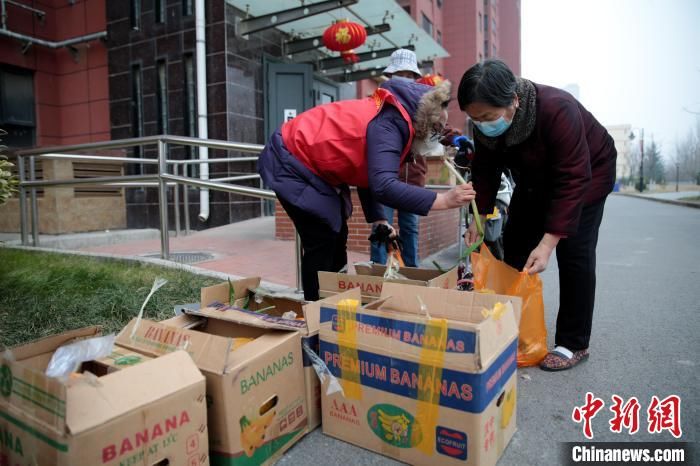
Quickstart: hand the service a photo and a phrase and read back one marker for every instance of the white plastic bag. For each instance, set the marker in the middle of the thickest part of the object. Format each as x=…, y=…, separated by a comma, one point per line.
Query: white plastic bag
x=68, y=358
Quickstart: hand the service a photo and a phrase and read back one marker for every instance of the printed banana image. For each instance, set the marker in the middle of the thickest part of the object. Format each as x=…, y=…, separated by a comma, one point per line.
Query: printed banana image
x=253, y=432
x=508, y=408
x=395, y=427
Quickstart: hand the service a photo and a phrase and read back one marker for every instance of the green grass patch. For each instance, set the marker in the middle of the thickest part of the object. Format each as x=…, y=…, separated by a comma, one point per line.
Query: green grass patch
x=44, y=293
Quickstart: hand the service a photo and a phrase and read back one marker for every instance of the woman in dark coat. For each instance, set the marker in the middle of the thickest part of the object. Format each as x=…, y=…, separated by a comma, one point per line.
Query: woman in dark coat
x=312, y=160
x=563, y=162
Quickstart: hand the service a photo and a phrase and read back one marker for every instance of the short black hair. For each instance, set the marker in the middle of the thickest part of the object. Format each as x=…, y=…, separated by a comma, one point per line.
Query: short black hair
x=490, y=82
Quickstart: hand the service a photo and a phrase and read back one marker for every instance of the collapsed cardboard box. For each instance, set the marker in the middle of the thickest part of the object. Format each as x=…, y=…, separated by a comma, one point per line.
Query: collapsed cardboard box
x=149, y=413
x=438, y=390
x=369, y=279
x=255, y=382
x=266, y=311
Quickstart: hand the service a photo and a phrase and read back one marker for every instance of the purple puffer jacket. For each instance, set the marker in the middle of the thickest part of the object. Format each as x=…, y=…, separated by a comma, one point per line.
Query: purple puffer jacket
x=387, y=135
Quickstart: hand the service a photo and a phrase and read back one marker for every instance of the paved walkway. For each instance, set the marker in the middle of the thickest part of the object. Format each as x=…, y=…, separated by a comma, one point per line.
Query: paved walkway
x=243, y=249
x=674, y=196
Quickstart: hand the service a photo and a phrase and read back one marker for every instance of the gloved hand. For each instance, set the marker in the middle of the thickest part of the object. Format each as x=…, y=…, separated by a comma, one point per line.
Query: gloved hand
x=448, y=134
x=382, y=232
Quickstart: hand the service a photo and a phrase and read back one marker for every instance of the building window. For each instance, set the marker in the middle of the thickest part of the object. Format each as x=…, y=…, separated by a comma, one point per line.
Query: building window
x=427, y=25
x=160, y=11
x=135, y=14
x=481, y=23
x=162, y=97
x=439, y=37
x=486, y=23
x=486, y=49
x=190, y=112
x=481, y=58
x=187, y=8
x=17, y=115
x=493, y=25
x=494, y=52
x=439, y=3
x=137, y=111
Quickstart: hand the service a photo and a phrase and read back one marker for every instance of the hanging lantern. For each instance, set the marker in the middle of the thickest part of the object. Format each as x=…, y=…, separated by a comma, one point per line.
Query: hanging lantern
x=343, y=37
x=431, y=79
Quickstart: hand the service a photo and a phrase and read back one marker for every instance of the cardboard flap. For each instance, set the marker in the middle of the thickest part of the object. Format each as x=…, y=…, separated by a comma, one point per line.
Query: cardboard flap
x=410, y=273
x=93, y=404
x=51, y=343
x=209, y=352
x=495, y=334
x=220, y=293
x=244, y=317
x=449, y=304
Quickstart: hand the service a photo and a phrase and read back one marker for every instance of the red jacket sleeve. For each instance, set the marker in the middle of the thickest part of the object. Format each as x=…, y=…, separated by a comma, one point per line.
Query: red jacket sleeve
x=570, y=167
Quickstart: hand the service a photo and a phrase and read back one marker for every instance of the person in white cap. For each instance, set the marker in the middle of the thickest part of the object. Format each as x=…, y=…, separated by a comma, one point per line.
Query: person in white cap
x=403, y=66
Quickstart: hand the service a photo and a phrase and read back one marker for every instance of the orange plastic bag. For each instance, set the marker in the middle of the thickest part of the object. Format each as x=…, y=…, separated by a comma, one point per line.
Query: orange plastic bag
x=490, y=273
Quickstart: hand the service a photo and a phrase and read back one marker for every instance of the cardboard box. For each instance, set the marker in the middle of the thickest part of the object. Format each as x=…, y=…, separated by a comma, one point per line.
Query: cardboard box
x=120, y=358
x=423, y=391
x=272, y=319
x=145, y=414
x=369, y=279
x=255, y=391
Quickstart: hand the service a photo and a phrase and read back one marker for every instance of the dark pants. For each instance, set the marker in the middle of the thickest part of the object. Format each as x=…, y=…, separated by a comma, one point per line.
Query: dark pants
x=323, y=249
x=576, y=258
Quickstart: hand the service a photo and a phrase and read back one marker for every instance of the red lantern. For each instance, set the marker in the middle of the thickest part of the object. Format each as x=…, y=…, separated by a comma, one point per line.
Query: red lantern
x=343, y=37
x=431, y=79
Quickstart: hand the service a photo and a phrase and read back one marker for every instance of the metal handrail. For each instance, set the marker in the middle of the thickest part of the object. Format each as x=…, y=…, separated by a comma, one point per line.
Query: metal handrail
x=96, y=158
x=244, y=190
x=163, y=179
x=144, y=141
x=88, y=181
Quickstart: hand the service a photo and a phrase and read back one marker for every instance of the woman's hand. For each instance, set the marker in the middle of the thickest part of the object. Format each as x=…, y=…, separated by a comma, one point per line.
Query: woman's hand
x=458, y=196
x=472, y=233
x=539, y=257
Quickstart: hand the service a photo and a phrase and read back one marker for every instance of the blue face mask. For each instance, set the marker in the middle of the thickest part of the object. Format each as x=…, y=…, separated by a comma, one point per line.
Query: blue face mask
x=403, y=78
x=494, y=128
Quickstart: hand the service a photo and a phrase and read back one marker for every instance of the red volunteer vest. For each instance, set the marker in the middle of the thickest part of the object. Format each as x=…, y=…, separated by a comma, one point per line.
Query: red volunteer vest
x=331, y=139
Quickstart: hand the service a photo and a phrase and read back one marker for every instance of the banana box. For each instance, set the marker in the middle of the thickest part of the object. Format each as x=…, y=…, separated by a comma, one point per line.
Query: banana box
x=264, y=308
x=428, y=375
x=150, y=413
x=255, y=382
x=369, y=279
x=119, y=359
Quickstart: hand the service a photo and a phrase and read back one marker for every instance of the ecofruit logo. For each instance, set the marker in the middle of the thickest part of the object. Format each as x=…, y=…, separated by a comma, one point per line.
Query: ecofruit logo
x=394, y=425
x=451, y=442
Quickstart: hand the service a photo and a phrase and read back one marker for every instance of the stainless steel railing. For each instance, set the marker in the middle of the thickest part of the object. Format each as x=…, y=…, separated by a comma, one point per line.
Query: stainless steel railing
x=162, y=179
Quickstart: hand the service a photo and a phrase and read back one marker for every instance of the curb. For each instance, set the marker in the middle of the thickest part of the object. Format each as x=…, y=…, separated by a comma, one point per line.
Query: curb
x=694, y=205
x=151, y=261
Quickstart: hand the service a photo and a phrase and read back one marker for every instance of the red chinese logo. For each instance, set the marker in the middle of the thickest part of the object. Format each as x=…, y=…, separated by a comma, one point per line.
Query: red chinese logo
x=665, y=415
x=661, y=415
x=626, y=415
x=587, y=412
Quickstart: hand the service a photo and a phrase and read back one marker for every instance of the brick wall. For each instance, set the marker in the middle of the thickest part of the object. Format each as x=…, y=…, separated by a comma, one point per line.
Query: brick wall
x=437, y=231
